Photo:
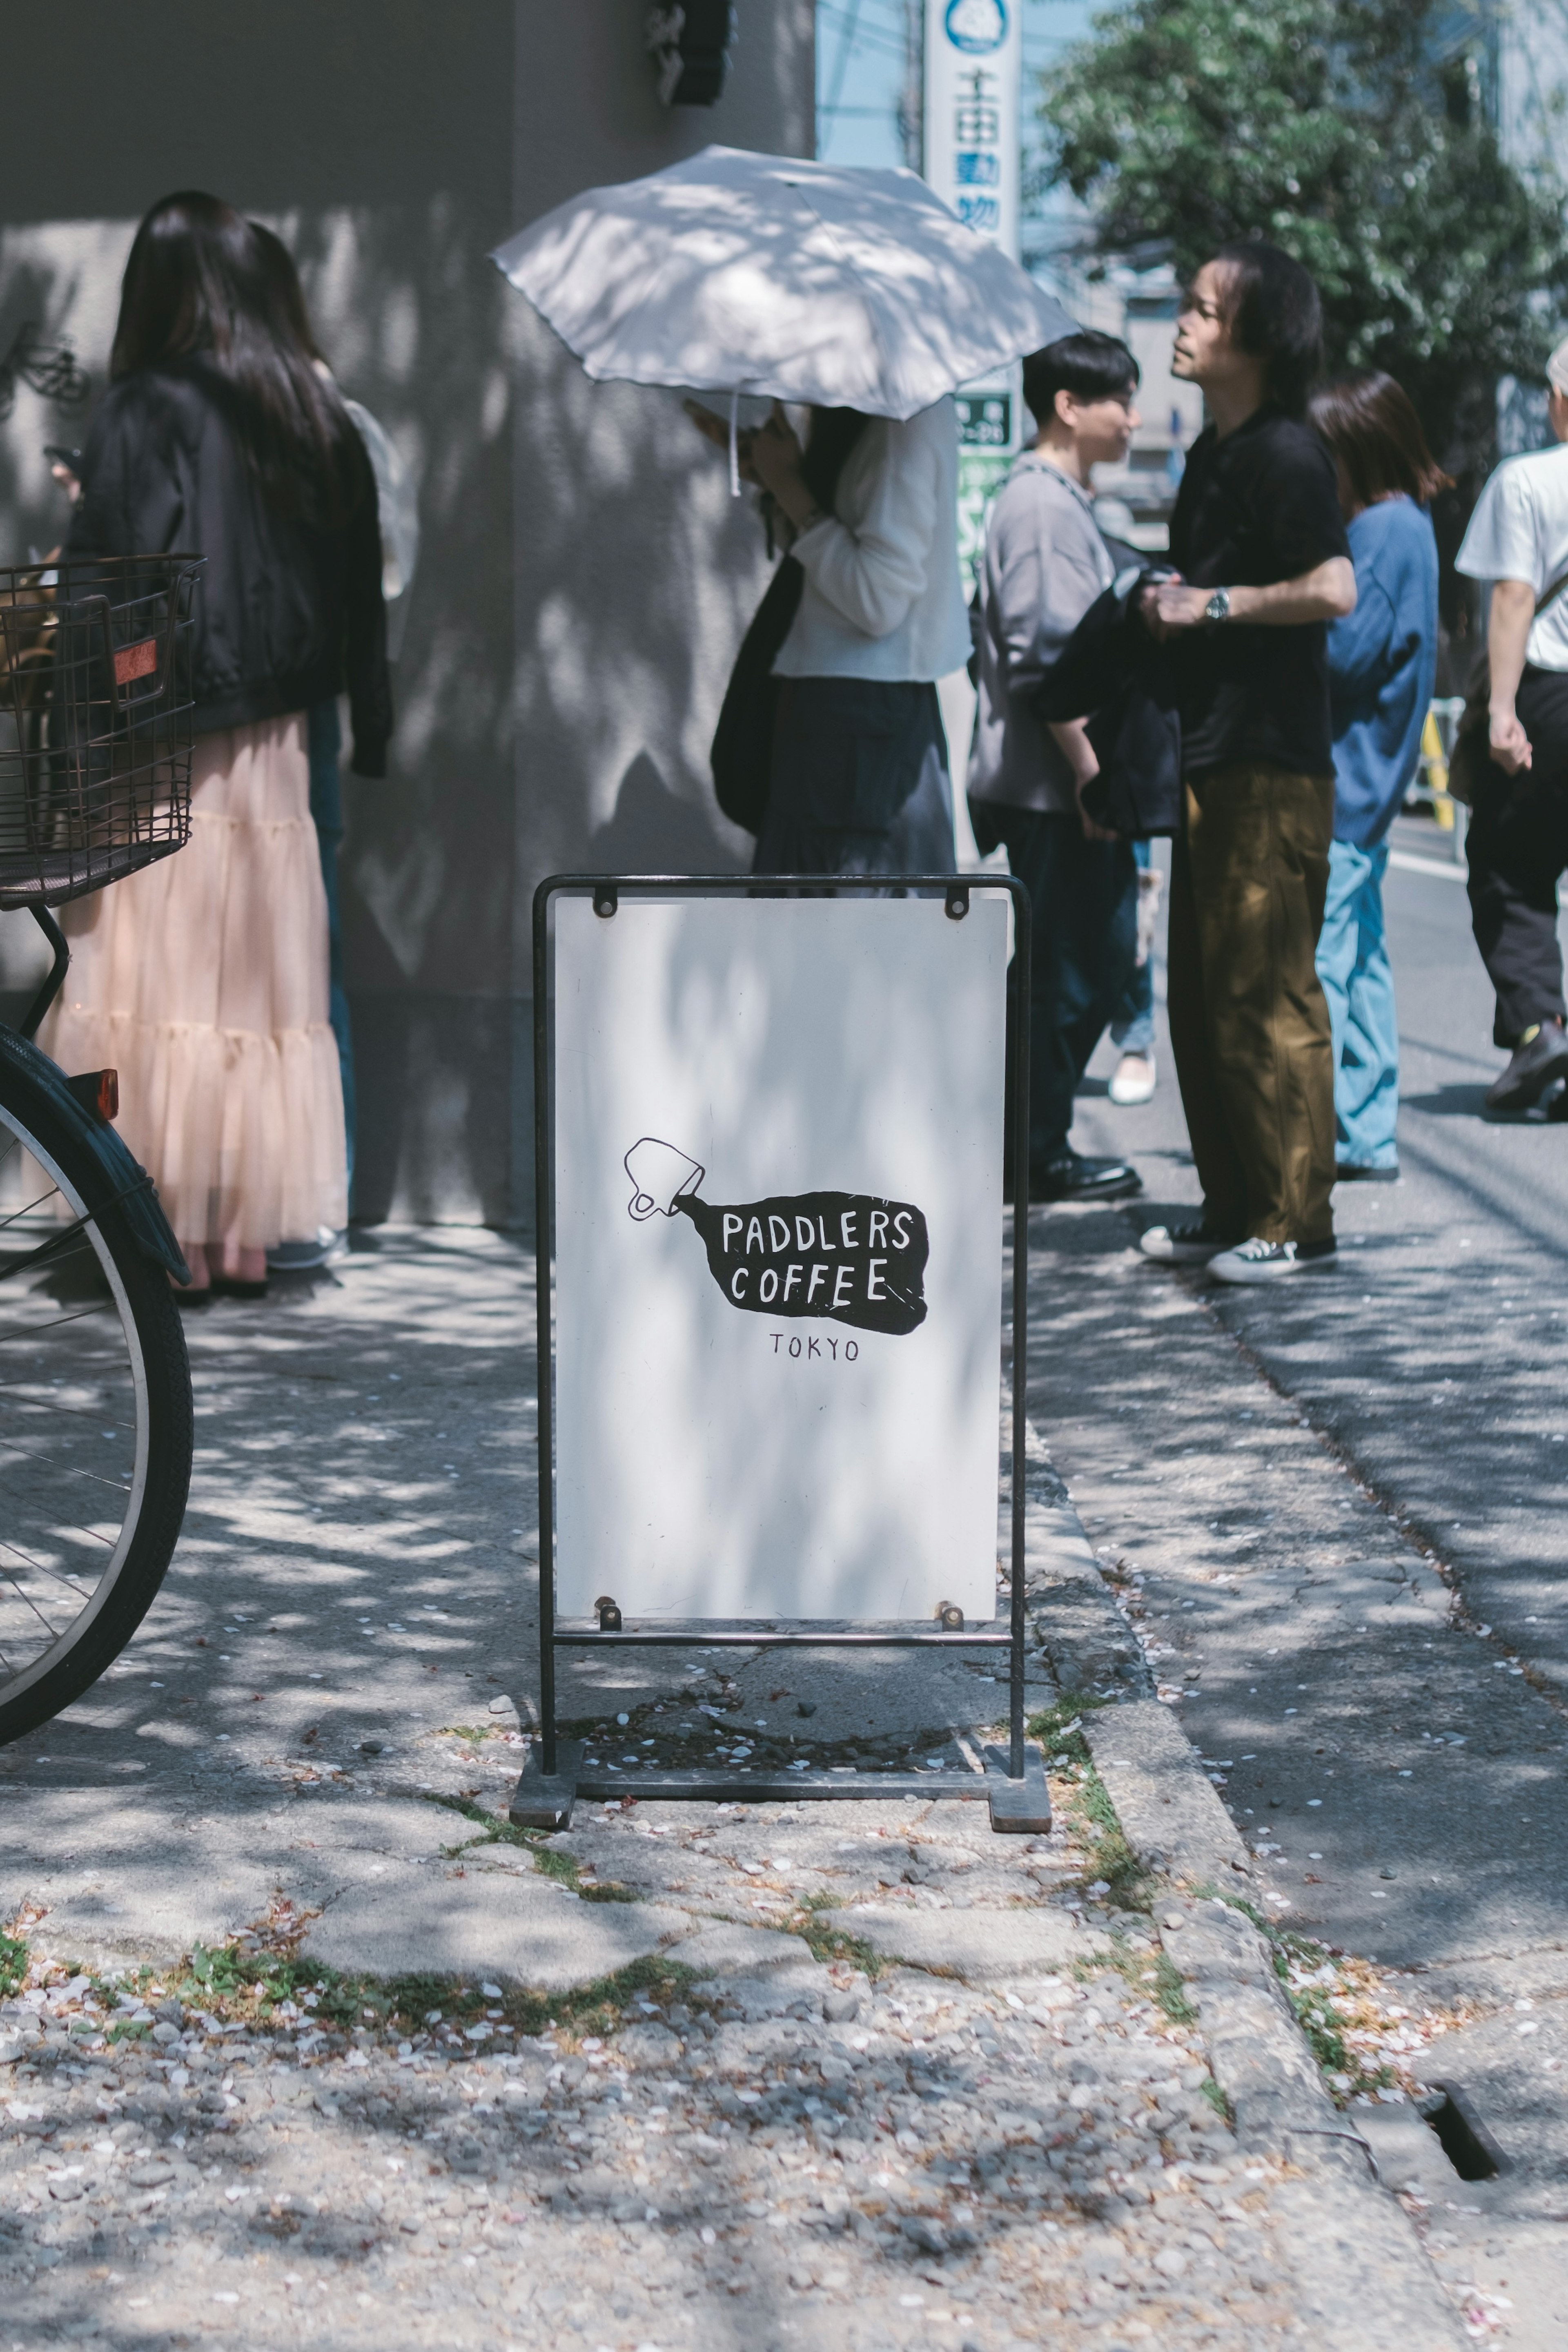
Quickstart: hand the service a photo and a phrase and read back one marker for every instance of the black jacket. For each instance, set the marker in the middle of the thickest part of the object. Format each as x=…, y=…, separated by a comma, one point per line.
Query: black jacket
x=288, y=613
x=1112, y=668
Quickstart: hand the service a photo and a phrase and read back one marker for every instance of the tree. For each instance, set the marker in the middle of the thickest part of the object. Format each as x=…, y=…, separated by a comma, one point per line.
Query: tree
x=1329, y=127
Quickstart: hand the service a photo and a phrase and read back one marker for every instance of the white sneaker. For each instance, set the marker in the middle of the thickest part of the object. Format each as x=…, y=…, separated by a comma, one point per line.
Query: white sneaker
x=1256, y=1261
x=1134, y=1081
x=1188, y=1245
x=329, y=1248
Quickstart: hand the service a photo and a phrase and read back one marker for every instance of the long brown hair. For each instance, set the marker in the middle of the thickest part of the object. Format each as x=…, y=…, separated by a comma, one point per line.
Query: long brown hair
x=197, y=287
x=1371, y=427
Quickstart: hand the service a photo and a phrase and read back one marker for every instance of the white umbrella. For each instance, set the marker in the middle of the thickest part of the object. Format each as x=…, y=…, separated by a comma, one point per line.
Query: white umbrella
x=809, y=282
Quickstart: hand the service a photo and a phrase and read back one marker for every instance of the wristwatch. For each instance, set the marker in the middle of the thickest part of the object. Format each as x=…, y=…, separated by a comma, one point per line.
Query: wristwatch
x=1219, y=605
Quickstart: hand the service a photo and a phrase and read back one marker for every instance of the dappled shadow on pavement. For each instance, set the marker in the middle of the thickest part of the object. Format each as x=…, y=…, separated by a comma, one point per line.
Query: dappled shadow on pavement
x=1396, y=1764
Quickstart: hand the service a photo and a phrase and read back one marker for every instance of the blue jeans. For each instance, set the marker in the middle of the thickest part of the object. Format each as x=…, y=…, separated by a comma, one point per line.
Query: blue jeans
x=327, y=809
x=1353, y=968
x=1133, y=1021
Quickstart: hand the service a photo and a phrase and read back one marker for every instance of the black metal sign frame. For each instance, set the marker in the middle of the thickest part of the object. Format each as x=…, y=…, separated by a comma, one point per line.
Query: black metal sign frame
x=1011, y=1781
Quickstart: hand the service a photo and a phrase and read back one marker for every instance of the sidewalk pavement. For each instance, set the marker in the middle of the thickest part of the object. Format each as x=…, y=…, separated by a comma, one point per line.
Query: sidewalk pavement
x=305, y=2045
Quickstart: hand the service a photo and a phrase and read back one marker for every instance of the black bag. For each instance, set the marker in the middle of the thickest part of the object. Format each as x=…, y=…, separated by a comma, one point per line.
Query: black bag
x=742, y=752
x=1112, y=667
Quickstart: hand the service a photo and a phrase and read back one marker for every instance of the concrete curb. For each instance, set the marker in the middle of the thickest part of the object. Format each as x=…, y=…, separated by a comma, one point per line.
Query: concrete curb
x=1359, y=2278
x=1086, y=1640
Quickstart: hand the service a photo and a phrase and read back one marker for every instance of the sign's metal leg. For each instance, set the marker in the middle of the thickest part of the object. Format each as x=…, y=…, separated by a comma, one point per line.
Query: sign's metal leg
x=1020, y=1321
x=544, y=1195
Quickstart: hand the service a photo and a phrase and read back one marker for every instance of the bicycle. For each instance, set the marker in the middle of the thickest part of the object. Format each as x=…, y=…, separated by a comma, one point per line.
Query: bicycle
x=95, y=1416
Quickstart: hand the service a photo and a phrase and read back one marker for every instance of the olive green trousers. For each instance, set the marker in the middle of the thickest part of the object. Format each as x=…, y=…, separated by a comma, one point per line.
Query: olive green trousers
x=1249, y=1025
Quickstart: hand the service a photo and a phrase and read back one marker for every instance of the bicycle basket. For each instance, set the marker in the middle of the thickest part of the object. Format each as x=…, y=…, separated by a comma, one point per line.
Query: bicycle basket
x=95, y=721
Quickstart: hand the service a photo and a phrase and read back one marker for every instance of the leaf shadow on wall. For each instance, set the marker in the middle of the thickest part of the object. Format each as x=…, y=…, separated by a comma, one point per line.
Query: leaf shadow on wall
x=653, y=831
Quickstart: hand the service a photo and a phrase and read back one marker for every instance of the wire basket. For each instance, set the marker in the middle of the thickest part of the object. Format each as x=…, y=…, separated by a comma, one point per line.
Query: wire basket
x=95, y=721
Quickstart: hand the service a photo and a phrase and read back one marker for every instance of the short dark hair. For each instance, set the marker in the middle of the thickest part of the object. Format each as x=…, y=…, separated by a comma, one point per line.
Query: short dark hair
x=1089, y=365
x=1371, y=425
x=1274, y=313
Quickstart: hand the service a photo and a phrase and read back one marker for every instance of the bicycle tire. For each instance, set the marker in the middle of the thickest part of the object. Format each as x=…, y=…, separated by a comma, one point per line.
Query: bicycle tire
x=131, y=1293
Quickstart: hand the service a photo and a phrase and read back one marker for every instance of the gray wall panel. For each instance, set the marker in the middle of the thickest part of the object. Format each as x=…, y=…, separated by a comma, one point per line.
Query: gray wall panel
x=583, y=577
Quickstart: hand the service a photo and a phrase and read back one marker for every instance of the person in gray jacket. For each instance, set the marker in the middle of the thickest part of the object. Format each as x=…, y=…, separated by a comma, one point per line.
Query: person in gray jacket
x=1045, y=563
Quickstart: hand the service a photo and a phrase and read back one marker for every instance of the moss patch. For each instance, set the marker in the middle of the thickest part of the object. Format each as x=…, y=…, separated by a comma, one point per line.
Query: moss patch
x=14, y=1957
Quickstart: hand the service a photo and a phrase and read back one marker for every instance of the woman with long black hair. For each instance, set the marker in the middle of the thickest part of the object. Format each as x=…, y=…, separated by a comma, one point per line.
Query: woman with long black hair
x=203, y=979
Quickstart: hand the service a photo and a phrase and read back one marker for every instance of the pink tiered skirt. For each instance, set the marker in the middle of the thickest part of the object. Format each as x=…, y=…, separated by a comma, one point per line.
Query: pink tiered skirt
x=203, y=981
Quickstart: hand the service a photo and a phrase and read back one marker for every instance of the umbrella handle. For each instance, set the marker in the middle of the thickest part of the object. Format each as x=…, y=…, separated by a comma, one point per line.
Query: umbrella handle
x=734, y=442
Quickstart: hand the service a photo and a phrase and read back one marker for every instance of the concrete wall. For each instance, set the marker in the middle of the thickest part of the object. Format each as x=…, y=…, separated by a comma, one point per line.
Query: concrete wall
x=583, y=579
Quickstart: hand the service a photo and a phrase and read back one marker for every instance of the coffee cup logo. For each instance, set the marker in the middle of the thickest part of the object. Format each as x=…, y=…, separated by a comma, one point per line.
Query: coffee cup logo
x=846, y=1257
x=659, y=1174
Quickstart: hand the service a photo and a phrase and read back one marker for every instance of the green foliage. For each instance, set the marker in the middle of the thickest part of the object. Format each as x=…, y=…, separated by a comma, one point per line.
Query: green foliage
x=1154, y=1975
x=1058, y=1728
x=1325, y=126
x=829, y=1944
x=13, y=1965
x=550, y=1861
x=235, y=1981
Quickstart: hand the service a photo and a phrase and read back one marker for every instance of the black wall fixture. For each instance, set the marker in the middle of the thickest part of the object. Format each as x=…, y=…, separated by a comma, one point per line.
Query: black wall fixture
x=690, y=48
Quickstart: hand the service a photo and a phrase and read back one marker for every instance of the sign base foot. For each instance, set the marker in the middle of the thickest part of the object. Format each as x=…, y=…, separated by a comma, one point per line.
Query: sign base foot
x=543, y=1802
x=1019, y=1807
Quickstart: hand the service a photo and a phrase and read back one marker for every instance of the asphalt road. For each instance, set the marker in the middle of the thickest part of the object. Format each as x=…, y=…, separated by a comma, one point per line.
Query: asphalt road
x=1337, y=1508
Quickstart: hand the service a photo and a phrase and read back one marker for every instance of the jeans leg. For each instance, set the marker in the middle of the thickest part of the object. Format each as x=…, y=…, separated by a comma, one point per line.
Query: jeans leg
x=1083, y=896
x=1367, y=1064
x=1132, y=1022
x=327, y=809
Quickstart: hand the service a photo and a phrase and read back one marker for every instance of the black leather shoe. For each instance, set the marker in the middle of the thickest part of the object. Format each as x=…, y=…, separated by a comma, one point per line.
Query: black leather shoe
x=1072, y=1177
x=1536, y=1065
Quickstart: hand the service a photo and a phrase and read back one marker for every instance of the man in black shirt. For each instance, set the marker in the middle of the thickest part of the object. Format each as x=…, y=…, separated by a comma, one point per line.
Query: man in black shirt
x=1264, y=566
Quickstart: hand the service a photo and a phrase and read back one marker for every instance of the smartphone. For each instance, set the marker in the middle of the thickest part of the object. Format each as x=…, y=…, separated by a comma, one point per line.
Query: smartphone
x=61, y=456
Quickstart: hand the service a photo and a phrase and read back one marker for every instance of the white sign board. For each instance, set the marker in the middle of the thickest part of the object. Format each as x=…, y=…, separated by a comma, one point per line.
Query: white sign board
x=778, y=1189
x=974, y=69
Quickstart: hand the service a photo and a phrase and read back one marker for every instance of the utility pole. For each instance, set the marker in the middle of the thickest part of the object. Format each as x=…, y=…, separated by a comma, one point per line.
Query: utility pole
x=912, y=98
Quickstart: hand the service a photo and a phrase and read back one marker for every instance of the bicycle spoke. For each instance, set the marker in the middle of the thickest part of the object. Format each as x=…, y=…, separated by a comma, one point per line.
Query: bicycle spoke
x=58, y=1469
x=23, y=1595
x=51, y=1250
x=16, y=1213
x=87, y=1416
x=55, y=1322
x=79, y=1528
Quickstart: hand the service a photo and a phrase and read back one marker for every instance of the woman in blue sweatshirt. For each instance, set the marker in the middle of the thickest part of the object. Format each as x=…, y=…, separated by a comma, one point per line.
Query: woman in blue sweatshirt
x=1382, y=660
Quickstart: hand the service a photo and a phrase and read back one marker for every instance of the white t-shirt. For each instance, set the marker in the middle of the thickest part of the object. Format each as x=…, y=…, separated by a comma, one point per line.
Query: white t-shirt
x=1520, y=531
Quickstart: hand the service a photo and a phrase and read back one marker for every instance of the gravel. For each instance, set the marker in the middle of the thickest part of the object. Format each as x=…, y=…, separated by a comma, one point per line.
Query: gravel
x=785, y=2152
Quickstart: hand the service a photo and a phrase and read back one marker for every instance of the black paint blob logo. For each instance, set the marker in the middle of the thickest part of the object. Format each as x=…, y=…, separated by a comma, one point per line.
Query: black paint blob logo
x=846, y=1256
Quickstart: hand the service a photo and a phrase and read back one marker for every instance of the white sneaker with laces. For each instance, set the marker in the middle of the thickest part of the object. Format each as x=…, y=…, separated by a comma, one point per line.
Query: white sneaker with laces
x=1187, y=1244
x=1134, y=1080
x=1256, y=1261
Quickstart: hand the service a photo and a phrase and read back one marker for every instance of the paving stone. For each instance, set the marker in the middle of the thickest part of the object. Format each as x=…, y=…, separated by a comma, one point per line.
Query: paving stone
x=523, y=1932
x=1007, y=1943
x=720, y=1947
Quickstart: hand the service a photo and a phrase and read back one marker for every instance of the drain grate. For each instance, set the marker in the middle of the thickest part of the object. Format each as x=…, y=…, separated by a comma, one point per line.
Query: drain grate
x=1464, y=2138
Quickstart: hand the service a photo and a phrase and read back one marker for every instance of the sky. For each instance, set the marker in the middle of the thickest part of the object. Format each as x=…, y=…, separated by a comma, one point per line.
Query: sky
x=862, y=64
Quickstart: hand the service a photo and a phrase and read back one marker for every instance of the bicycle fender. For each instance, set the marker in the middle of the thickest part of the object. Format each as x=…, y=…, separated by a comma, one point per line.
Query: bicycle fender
x=130, y=1183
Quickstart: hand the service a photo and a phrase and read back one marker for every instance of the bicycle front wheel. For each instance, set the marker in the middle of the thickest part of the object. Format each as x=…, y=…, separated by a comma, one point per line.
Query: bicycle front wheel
x=95, y=1418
